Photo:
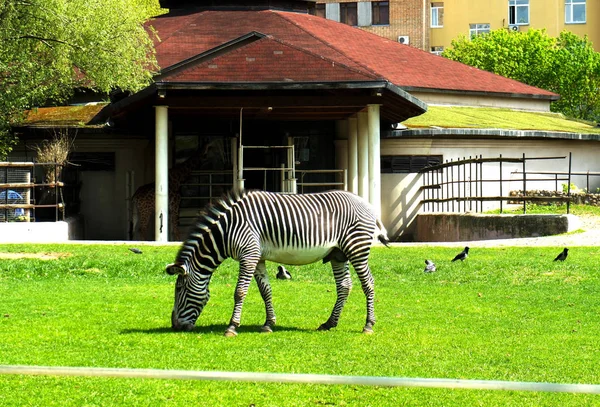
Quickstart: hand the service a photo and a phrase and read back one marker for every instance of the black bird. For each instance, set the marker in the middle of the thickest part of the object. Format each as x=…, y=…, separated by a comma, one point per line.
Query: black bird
x=462, y=255
x=135, y=250
x=283, y=274
x=429, y=267
x=563, y=255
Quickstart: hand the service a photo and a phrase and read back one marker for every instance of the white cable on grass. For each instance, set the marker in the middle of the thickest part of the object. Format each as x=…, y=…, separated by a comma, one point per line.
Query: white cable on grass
x=301, y=378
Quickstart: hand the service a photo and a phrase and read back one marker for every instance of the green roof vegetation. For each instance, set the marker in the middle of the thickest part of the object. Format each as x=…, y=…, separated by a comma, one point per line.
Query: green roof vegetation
x=78, y=116
x=497, y=118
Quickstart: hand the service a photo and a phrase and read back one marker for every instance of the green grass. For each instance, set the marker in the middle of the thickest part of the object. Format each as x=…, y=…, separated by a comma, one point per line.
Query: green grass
x=558, y=209
x=497, y=118
x=504, y=314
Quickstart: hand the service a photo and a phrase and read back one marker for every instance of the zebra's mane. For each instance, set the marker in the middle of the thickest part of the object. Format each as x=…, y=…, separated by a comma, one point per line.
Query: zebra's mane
x=214, y=211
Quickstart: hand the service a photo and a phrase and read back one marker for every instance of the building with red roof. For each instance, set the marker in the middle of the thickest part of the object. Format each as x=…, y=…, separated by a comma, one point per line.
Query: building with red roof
x=288, y=101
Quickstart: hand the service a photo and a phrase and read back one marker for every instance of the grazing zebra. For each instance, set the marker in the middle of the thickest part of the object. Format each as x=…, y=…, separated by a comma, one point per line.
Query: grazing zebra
x=251, y=227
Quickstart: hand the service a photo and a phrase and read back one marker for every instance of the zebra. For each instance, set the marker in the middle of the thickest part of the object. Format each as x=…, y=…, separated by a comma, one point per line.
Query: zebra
x=254, y=226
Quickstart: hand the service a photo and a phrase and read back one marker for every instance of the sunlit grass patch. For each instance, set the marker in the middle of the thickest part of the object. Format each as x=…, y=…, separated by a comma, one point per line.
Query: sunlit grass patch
x=502, y=314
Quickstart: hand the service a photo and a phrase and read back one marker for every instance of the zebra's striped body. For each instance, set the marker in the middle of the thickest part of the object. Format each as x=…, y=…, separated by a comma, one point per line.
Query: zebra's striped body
x=257, y=226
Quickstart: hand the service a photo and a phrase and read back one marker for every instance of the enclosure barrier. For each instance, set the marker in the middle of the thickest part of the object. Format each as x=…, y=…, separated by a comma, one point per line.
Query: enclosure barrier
x=462, y=182
x=300, y=379
x=341, y=179
x=18, y=200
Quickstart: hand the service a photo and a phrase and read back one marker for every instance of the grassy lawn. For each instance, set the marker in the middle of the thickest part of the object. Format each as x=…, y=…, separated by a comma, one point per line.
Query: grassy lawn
x=558, y=209
x=503, y=314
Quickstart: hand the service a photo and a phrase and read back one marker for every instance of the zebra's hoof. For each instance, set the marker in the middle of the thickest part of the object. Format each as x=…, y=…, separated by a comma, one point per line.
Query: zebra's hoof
x=324, y=327
x=230, y=333
x=367, y=331
x=266, y=329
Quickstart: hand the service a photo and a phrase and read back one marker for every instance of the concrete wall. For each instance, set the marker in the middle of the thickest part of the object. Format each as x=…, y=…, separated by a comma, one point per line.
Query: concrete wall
x=400, y=192
x=104, y=195
x=40, y=232
x=451, y=99
x=451, y=227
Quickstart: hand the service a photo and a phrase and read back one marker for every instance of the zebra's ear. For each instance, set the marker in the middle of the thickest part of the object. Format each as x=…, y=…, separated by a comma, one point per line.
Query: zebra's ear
x=179, y=269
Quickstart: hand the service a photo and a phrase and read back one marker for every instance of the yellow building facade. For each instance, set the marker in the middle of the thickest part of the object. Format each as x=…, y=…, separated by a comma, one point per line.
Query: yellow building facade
x=451, y=18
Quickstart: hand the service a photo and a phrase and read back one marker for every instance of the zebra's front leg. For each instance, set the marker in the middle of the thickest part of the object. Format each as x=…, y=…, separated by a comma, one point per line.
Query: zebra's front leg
x=241, y=289
x=343, y=285
x=262, y=280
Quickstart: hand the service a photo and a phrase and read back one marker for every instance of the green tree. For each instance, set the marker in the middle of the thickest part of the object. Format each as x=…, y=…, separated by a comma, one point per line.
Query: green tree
x=49, y=48
x=567, y=65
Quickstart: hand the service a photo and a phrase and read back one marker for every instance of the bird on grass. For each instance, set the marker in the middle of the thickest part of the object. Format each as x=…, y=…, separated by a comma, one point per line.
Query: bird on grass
x=135, y=250
x=429, y=266
x=462, y=255
x=283, y=274
x=563, y=255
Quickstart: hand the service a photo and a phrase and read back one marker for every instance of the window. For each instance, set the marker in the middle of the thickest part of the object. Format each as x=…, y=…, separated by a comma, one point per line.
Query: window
x=478, y=29
x=437, y=50
x=404, y=164
x=437, y=15
x=320, y=10
x=348, y=13
x=518, y=12
x=381, y=12
x=574, y=11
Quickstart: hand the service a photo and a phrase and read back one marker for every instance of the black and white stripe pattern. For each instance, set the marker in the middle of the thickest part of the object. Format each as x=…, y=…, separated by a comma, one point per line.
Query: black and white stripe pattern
x=337, y=226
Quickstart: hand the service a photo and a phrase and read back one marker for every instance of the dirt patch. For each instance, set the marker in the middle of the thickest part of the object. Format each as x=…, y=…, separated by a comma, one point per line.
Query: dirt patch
x=39, y=256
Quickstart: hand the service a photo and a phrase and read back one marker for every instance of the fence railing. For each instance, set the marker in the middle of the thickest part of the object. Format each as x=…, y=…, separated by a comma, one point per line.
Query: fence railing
x=463, y=183
x=340, y=179
x=20, y=193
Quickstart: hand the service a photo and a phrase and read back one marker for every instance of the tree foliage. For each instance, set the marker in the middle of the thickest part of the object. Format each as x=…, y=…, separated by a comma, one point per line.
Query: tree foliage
x=567, y=65
x=48, y=48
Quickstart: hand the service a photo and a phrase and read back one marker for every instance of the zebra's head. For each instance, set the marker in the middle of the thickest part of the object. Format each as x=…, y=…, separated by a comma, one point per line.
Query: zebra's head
x=191, y=295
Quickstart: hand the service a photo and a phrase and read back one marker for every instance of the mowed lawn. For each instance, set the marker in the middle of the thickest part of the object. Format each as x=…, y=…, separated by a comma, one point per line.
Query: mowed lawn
x=503, y=314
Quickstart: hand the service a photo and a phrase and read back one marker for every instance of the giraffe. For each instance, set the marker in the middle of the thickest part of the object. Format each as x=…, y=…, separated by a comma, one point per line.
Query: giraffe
x=143, y=200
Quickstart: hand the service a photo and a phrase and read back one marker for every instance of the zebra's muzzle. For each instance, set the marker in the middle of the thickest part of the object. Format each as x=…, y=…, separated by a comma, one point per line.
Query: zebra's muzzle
x=180, y=326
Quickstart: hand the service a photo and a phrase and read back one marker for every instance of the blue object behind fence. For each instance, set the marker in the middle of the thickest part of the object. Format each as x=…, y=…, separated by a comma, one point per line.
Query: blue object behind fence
x=12, y=197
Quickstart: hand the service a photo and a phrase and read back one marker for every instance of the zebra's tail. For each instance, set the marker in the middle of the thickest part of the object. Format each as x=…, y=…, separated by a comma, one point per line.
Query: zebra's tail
x=382, y=236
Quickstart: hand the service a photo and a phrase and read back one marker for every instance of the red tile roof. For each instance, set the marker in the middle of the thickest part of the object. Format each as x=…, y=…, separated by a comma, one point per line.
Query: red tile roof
x=313, y=49
x=269, y=60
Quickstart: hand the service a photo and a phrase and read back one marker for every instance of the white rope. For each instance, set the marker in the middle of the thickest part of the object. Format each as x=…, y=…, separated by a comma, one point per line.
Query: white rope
x=300, y=378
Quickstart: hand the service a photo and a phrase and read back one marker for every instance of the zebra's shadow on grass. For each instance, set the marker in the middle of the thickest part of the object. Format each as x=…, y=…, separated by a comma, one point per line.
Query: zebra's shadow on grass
x=216, y=329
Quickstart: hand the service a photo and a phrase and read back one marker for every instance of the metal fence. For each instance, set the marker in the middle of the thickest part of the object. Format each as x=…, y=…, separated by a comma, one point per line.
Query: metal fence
x=464, y=186
x=20, y=193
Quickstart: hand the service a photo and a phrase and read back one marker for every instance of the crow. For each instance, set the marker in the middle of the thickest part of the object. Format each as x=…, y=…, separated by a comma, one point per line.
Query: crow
x=430, y=266
x=563, y=255
x=135, y=250
x=462, y=255
x=283, y=274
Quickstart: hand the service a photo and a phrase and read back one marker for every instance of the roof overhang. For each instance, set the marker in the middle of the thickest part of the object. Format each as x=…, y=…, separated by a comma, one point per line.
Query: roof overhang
x=550, y=98
x=272, y=101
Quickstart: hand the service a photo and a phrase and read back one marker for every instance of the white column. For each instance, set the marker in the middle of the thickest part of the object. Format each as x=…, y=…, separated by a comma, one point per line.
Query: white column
x=374, y=158
x=363, y=154
x=161, y=229
x=292, y=187
x=352, y=155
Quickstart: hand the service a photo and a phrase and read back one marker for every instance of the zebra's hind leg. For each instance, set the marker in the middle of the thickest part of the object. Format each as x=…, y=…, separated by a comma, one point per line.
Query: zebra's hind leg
x=343, y=285
x=361, y=266
x=262, y=280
